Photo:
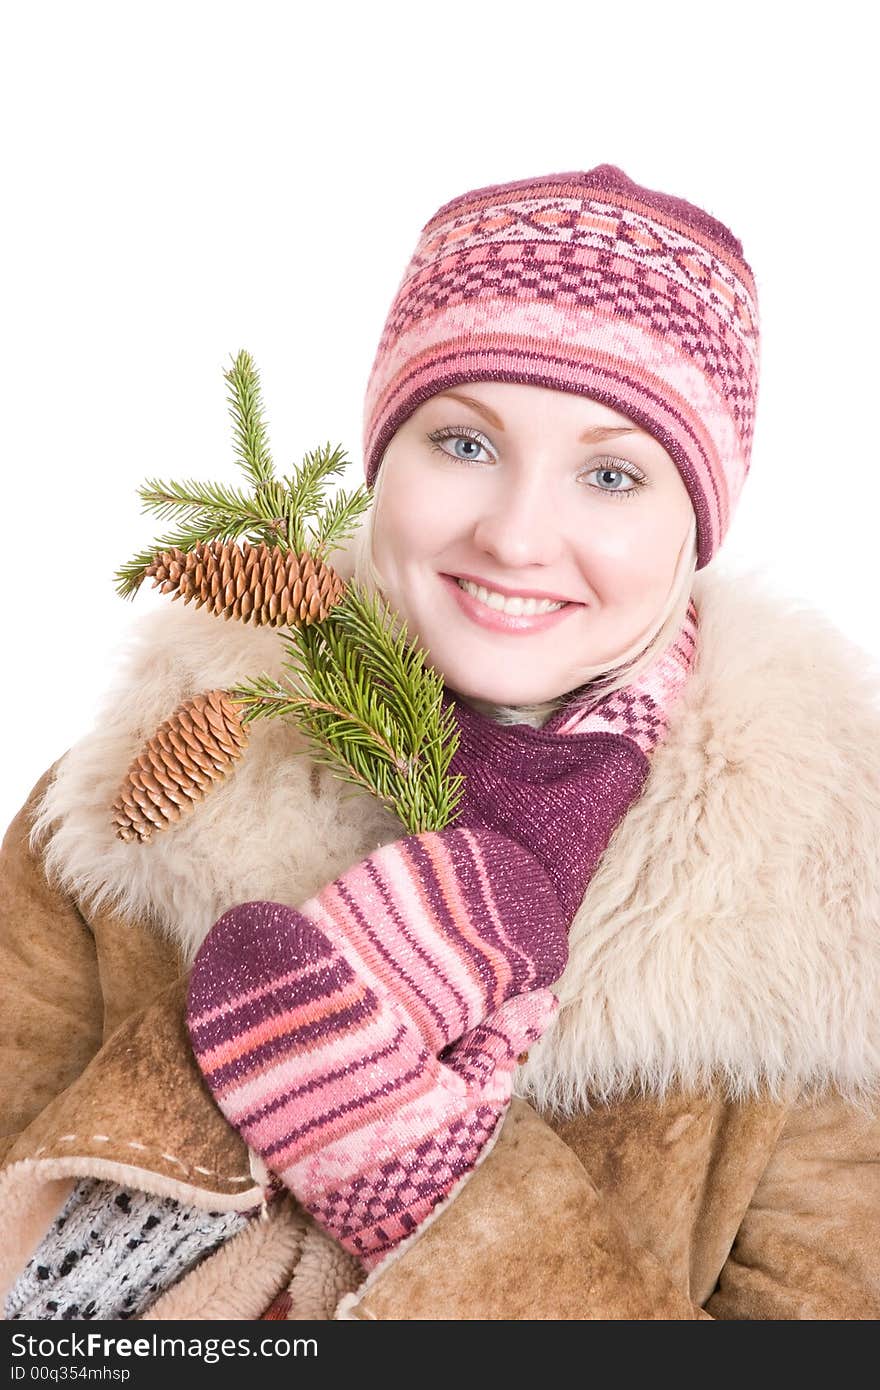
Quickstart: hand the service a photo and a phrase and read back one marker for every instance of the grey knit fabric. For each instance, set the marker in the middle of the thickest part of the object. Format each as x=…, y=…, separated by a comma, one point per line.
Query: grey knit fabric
x=111, y=1251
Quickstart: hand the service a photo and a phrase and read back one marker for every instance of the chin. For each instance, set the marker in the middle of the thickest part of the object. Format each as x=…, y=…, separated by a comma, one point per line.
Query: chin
x=493, y=695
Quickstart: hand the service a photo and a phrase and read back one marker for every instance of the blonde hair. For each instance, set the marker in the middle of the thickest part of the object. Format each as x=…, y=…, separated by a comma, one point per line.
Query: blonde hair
x=602, y=679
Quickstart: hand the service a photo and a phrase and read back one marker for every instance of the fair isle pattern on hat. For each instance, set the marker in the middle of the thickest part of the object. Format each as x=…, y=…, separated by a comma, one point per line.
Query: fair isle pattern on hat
x=589, y=283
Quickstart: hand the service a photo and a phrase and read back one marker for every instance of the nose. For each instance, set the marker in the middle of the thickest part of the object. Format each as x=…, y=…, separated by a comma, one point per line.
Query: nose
x=521, y=525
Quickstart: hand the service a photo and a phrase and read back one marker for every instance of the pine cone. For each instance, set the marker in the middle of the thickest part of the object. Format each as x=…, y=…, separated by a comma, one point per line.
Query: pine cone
x=256, y=583
x=192, y=749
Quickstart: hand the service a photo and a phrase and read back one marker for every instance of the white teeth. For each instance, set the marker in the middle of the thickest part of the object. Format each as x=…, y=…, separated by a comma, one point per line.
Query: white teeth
x=522, y=606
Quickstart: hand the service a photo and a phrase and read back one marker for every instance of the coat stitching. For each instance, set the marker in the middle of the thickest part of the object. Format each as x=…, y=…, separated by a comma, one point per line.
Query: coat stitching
x=132, y=1144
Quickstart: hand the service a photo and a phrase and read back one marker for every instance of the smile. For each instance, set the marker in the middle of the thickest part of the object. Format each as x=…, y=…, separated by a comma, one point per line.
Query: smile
x=499, y=613
x=506, y=604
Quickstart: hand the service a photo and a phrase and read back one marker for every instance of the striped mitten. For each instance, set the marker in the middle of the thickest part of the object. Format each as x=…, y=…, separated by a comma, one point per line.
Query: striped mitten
x=364, y=1045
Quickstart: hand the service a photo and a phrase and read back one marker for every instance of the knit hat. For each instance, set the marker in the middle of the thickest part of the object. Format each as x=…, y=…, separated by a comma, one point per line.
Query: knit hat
x=592, y=284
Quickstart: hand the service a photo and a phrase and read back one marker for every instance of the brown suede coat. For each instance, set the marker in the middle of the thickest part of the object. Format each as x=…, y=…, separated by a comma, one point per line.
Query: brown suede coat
x=698, y=1138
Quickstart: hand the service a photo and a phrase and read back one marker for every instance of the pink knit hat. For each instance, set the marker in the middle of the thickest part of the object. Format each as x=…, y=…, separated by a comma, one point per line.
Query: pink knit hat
x=589, y=283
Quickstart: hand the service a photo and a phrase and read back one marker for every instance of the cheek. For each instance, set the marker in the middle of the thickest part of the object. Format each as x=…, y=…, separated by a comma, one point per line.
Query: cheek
x=406, y=526
x=634, y=554
x=413, y=518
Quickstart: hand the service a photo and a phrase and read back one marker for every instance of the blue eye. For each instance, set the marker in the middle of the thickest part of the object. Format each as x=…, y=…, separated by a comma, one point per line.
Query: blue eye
x=618, y=491
x=463, y=434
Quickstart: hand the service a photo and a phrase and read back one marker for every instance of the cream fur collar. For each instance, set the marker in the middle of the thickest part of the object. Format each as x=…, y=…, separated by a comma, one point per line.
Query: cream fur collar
x=731, y=933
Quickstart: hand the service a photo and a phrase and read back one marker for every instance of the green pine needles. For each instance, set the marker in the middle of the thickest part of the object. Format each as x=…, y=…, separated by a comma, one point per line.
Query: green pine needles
x=371, y=710
x=359, y=692
x=274, y=511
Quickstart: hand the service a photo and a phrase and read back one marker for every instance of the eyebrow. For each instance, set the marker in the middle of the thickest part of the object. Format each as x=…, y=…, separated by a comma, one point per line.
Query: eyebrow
x=594, y=435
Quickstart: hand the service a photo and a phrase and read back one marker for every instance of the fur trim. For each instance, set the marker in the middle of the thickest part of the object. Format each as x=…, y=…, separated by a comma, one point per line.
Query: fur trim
x=239, y=1280
x=731, y=933
x=324, y=1274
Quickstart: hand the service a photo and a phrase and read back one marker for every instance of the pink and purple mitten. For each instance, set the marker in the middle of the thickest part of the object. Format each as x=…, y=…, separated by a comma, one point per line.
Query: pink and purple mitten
x=364, y=1045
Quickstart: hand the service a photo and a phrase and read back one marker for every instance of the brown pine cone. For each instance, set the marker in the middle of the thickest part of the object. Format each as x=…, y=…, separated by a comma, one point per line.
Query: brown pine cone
x=256, y=583
x=196, y=746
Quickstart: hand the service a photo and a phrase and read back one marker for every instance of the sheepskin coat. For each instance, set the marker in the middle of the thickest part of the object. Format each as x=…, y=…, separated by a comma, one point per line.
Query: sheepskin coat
x=698, y=1134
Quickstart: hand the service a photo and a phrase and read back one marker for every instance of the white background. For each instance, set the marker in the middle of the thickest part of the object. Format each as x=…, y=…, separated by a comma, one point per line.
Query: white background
x=184, y=180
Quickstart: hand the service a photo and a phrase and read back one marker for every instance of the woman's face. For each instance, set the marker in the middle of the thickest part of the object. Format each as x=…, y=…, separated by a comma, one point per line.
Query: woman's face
x=496, y=481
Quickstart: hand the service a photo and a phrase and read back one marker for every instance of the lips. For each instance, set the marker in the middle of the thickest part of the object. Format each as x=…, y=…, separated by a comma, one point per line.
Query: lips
x=495, y=620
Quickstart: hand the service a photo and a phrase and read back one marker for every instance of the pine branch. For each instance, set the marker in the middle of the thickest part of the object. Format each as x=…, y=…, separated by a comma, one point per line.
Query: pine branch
x=249, y=431
x=357, y=688
x=266, y=698
x=306, y=488
x=394, y=734
x=329, y=726
x=338, y=520
x=166, y=499
x=390, y=663
x=273, y=500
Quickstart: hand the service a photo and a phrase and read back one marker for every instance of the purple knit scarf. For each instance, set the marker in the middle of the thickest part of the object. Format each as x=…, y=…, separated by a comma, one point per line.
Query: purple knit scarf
x=561, y=790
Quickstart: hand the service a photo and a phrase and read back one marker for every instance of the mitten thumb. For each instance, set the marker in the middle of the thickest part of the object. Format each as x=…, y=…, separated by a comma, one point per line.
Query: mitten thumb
x=496, y=1043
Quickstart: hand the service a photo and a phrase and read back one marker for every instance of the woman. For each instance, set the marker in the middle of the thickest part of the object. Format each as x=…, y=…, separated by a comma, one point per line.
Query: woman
x=694, y=1132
